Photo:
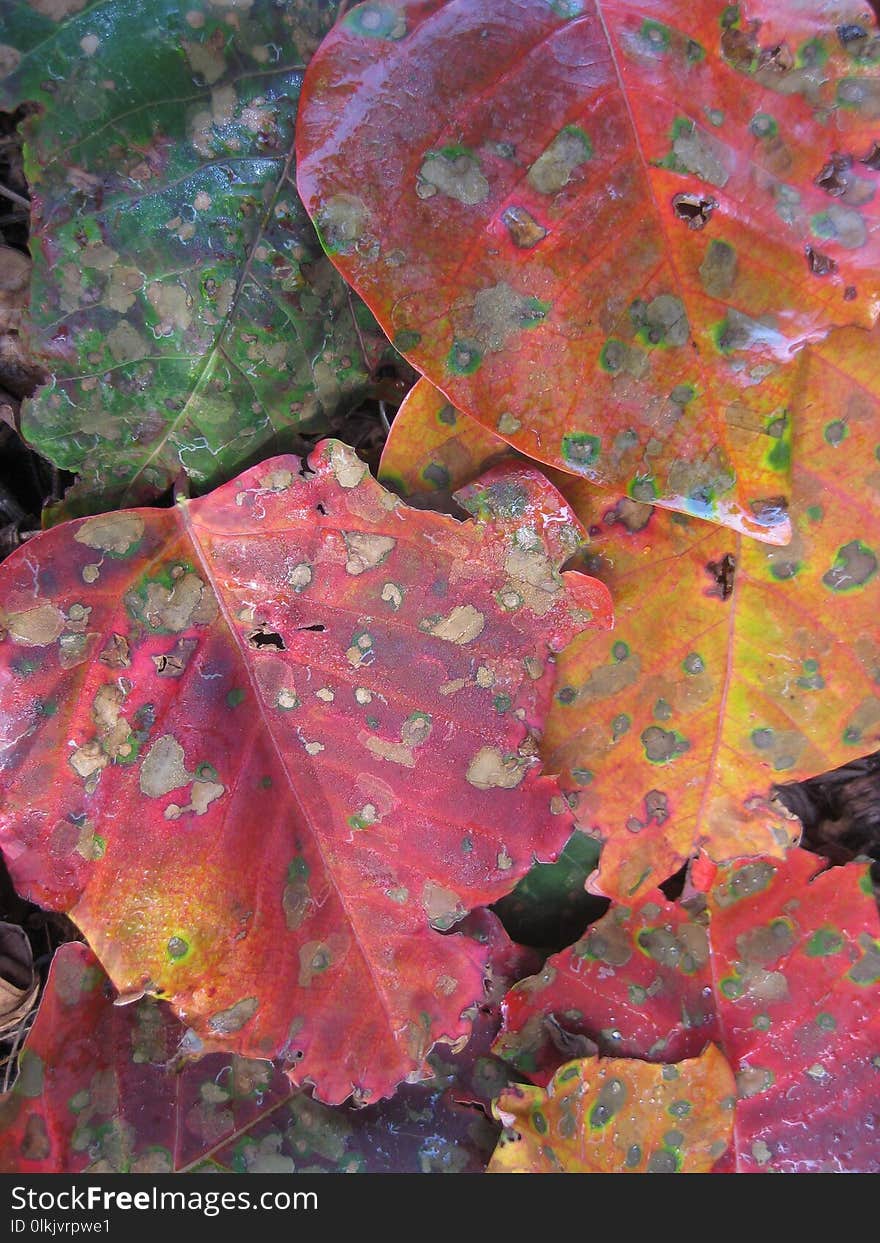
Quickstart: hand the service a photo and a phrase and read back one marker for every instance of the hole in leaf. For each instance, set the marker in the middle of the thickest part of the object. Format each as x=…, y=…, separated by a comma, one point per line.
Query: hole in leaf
x=673, y=887
x=819, y=264
x=778, y=57
x=550, y=907
x=694, y=209
x=724, y=573
x=266, y=638
x=872, y=159
x=831, y=179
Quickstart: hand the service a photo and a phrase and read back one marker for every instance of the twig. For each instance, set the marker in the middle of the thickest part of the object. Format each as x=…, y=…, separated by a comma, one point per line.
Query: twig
x=384, y=417
x=13, y=197
x=11, y=1058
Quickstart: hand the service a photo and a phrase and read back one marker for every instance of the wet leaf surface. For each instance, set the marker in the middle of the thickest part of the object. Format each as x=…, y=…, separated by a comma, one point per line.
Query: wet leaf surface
x=619, y=1116
x=672, y=736
x=782, y=971
x=108, y=1089
x=180, y=296
x=250, y=716
x=603, y=230
x=98, y=1088
x=634, y=985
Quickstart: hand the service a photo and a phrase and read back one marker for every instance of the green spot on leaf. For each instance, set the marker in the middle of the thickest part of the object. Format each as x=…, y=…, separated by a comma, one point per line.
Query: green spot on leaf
x=464, y=358
x=763, y=125
x=823, y=942
x=654, y=37
x=406, y=340
x=580, y=448
x=376, y=21
x=854, y=566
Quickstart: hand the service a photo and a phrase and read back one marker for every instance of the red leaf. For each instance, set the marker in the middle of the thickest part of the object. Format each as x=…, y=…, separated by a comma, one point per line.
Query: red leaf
x=784, y=977
x=603, y=230
x=108, y=1088
x=261, y=745
x=796, y=967
x=635, y=985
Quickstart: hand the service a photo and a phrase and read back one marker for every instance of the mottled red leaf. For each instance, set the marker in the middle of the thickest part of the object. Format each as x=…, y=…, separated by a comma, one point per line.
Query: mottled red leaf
x=635, y=985
x=796, y=969
x=673, y=735
x=108, y=1088
x=783, y=972
x=603, y=230
x=619, y=1116
x=105, y=1088
x=263, y=745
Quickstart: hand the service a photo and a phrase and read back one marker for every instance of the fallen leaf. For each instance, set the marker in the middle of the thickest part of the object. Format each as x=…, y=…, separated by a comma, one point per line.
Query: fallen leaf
x=105, y=1088
x=247, y=719
x=19, y=983
x=669, y=737
x=603, y=231
x=180, y=296
x=782, y=972
x=619, y=1116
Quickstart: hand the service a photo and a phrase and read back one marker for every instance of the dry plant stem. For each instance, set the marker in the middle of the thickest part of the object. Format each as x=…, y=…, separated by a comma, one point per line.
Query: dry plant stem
x=12, y=1057
x=18, y=199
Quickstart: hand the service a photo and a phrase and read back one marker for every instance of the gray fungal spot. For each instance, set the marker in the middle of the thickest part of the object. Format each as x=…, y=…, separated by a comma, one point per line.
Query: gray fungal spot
x=842, y=224
x=718, y=271
x=662, y=1162
x=455, y=172
x=569, y=150
x=854, y=565
x=499, y=312
x=700, y=155
x=662, y=321
x=342, y=222
x=232, y=1020
x=163, y=769
x=662, y=745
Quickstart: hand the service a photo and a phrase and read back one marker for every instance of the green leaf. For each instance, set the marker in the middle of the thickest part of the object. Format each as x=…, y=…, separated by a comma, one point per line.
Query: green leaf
x=550, y=907
x=180, y=295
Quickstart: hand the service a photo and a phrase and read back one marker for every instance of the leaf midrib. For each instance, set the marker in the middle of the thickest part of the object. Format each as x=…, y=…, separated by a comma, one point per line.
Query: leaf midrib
x=190, y=528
